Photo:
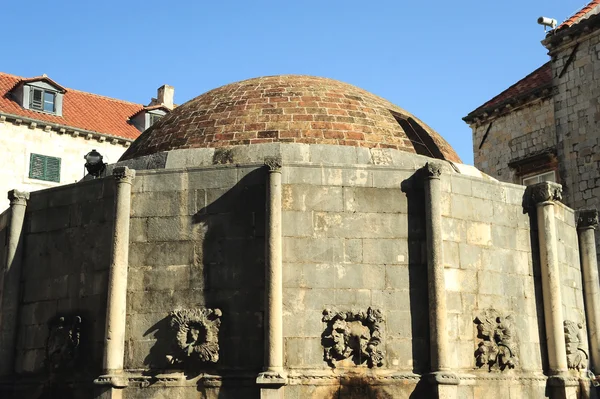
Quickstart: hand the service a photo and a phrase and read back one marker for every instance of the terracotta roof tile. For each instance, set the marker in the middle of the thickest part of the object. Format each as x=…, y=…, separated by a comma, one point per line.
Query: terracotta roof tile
x=536, y=80
x=593, y=7
x=81, y=110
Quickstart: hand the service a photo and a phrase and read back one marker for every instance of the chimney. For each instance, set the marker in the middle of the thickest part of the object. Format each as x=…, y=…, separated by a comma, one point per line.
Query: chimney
x=165, y=94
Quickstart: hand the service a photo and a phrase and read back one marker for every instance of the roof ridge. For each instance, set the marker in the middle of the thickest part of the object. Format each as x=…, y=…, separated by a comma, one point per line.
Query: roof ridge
x=493, y=101
x=75, y=90
x=106, y=97
x=579, y=14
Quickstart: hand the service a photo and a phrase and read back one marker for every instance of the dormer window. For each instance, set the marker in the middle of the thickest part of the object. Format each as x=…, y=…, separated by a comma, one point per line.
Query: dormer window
x=153, y=118
x=39, y=94
x=42, y=100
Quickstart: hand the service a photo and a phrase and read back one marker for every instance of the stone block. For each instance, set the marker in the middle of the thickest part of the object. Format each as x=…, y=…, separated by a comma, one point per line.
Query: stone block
x=488, y=191
x=397, y=277
x=293, y=152
x=293, y=275
x=319, y=275
x=139, y=302
x=359, y=276
x=479, y=234
x=164, y=203
x=453, y=302
x=451, y=254
x=353, y=250
x=328, y=154
x=303, y=353
x=471, y=256
x=454, y=229
x=505, y=214
x=378, y=200
x=391, y=299
x=300, y=197
x=399, y=353
x=218, y=177
x=361, y=225
x=161, y=253
x=156, y=181
x=504, y=237
x=458, y=280
x=297, y=224
x=386, y=251
x=357, y=177
x=311, y=250
x=461, y=185
x=178, y=228
x=189, y=158
x=389, y=178
x=398, y=324
x=352, y=298
x=138, y=228
x=302, y=175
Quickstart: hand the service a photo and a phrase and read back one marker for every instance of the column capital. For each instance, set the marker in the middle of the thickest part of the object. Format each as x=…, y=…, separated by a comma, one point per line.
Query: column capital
x=587, y=218
x=543, y=192
x=274, y=164
x=123, y=174
x=17, y=197
x=432, y=170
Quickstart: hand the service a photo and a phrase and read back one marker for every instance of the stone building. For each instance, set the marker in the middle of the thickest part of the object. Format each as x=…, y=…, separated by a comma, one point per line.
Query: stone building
x=545, y=127
x=46, y=129
x=297, y=237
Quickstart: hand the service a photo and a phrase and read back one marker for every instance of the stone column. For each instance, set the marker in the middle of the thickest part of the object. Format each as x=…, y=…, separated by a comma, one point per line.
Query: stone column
x=274, y=377
x=543, y=196
x=587, y=222
x=440, y=363
x=116, y=307
x=11, y=280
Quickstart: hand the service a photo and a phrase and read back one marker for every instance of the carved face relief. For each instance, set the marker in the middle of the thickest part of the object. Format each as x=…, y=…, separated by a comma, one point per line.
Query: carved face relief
x=497, y=348
x=577, y=355
x=196, y=335
x=62, y=346
x=354, y=335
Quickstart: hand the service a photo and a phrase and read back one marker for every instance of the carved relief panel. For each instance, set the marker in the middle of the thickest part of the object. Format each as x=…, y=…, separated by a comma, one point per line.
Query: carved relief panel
x=497, y=348
x=353, y=335
x=62, y=345
x=196, y=335
x=577, y=355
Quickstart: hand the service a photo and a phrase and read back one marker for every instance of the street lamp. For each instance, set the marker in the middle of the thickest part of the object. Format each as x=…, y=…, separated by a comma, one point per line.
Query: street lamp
x=94, y=164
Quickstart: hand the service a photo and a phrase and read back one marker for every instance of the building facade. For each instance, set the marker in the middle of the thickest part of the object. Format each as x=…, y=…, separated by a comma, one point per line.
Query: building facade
x=546, y=126
x=46, y=129
x=296, y=237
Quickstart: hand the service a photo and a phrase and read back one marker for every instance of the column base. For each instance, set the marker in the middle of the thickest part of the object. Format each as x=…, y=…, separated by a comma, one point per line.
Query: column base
x=444, y=384
x=562, y=387
x=271, y=384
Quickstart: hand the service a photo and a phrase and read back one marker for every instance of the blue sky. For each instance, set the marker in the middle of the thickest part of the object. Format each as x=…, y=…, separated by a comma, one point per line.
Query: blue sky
x=438, y=60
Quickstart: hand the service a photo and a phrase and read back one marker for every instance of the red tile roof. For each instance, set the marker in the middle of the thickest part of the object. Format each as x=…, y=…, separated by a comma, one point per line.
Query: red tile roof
x=591, y=8
x=81, y=110
x=537, y=80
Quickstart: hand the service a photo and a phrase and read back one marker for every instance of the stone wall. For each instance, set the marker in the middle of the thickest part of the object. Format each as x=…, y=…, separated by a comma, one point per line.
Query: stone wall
x=517, y=134
x=576, y=118
x=19, y=141
x=570, y=268
x=197, y=240
x=490, y=264
x=353, y=240
x=66, y=244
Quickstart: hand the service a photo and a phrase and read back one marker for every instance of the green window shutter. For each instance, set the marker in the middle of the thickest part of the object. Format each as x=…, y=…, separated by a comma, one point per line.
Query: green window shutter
x=42, y=167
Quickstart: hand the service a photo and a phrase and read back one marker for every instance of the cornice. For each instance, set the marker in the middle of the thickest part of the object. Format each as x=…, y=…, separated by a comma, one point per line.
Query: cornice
x=63, y=129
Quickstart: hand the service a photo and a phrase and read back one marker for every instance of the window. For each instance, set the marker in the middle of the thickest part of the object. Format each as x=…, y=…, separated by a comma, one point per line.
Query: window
x=42, y=100
x=153, y=118
x=418, y=136
x=42, y=167
x=539, y=178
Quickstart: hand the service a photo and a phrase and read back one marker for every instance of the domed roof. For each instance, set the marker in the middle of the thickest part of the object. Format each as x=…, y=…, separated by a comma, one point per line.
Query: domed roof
x=290, y=108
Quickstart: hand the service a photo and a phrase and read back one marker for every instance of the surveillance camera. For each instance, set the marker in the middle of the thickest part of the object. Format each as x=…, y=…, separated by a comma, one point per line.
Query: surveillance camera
x=550, y=22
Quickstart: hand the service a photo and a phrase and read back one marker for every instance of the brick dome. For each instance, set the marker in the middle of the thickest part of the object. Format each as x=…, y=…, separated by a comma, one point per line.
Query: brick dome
x=290, y=108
